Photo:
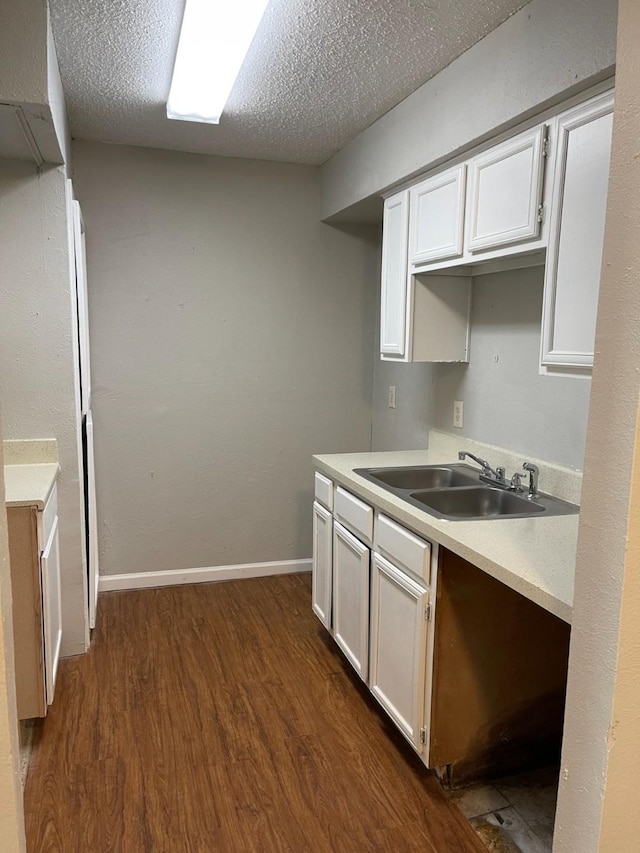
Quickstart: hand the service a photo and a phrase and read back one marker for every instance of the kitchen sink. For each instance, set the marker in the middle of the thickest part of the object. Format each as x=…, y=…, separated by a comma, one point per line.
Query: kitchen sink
x=422, y=477
x=456, y=493
x=478, y=502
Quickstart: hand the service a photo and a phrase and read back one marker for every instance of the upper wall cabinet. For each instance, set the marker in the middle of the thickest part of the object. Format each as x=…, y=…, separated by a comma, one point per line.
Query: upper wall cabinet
x=437, y=217
x=574, y=256
x=490, y=208
x=393, y=315
x=423, y=318
x=16, y=139
x=496, y=211
x=505, y=192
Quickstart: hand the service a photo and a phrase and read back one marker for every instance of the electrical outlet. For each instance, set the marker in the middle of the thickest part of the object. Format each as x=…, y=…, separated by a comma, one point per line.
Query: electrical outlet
x=391, y=402
x=458, y=409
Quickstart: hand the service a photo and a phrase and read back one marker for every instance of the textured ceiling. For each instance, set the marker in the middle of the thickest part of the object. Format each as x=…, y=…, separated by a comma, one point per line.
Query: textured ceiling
x=318, y=71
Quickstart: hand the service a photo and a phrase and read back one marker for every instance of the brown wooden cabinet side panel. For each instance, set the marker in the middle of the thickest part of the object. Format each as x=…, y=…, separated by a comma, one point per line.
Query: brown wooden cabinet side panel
x=500, y=670
x=27, y=611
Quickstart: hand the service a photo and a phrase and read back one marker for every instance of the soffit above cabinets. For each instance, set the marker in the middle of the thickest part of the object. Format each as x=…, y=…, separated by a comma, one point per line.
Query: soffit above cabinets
x=16, y=139
x=317, y=74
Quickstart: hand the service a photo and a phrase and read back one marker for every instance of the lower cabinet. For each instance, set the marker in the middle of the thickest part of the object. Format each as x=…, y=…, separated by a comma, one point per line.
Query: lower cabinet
x=351, y=598
x=499, y=677
x=35, y=587
x=472, y=673
x=398, y=647
x=322, y=586
x=51, y=609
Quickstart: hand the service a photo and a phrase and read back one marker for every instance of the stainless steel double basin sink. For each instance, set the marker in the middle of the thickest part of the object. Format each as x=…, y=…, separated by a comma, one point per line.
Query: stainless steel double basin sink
x=456, y=493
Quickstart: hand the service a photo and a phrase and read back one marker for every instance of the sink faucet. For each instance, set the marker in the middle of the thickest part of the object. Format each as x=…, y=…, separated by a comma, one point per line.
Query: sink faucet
x=515, y=485
x=488, y=474
x=533, y=478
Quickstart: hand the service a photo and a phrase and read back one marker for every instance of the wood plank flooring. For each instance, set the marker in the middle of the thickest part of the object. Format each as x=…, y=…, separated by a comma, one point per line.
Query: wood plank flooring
x=222, y=717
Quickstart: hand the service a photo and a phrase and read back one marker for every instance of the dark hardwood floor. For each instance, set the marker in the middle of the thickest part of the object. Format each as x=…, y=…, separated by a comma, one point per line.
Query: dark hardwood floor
x=221, y=717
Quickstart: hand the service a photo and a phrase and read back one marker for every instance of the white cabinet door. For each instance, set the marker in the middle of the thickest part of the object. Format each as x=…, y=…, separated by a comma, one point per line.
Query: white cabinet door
x=83, y=306
x=574, y=256
x=436, y=217
x=393, y=310
x=322, y=564
x=505, y=192
x=398, y=646
x=52, y=609
x=93, y=567
x=351, y=598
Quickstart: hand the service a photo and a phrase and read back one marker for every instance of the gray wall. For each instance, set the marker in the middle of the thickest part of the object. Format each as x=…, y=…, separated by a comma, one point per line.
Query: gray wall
x=506, y=401
x=407, y=426
x=23, y=50
x=534, y=59
x=231, y=338
x=38, y=388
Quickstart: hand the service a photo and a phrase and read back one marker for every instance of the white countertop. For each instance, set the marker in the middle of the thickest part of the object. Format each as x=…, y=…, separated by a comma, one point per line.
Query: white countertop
x=534, y=556
x=29, y=485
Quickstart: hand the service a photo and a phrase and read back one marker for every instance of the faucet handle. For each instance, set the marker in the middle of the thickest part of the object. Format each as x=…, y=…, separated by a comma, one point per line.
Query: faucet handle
x=533, y=478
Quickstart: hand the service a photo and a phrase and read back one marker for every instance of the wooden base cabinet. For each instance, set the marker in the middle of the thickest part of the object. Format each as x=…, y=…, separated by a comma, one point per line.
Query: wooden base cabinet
x=35, y=587
x=499, y=677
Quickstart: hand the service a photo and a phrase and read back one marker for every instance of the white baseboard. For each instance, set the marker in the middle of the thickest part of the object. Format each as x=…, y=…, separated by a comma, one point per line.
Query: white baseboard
x=177, y=577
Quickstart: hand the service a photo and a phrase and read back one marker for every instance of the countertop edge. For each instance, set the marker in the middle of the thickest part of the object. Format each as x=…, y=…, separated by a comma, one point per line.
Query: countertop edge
x=439, y=531
x=36, y=484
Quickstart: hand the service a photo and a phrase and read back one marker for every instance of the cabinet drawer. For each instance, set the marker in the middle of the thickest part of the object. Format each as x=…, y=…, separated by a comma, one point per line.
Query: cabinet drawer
x=403, y=548
x=324, y=490
x=46, y=519
x=354, y=514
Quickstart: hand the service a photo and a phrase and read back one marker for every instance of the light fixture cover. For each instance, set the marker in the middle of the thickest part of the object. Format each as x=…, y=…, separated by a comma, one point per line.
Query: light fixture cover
x=214, y=39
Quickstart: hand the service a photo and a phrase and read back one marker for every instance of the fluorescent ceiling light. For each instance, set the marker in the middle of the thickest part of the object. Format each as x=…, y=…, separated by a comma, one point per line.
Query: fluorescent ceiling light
x=214, y=39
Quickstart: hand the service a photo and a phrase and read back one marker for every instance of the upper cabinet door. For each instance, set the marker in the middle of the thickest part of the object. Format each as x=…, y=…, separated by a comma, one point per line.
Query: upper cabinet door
x=437, y=217
x=574, y=256
x=83, y=306
x=505, y=192
x=393, y=313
